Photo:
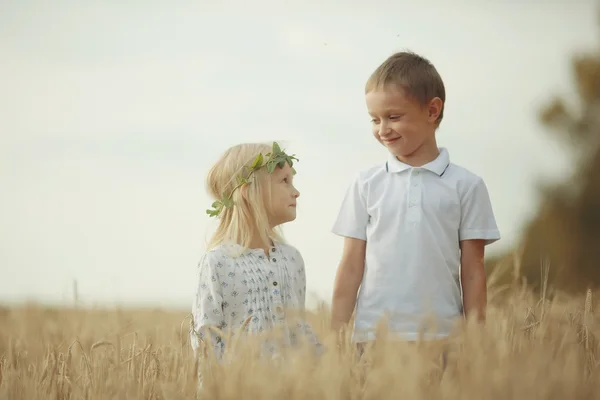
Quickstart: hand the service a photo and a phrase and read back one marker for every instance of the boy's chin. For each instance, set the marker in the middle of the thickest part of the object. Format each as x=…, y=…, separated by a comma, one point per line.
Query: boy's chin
x=400, y=151
x=397, y=151
x=393, y=147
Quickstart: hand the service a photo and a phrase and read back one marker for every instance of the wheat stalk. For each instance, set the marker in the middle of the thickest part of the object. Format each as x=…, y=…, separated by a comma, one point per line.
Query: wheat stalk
x=101, y=343
x=587, y=313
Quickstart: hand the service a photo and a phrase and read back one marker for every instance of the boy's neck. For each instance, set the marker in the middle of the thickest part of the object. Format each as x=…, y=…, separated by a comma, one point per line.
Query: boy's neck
x=422, y=156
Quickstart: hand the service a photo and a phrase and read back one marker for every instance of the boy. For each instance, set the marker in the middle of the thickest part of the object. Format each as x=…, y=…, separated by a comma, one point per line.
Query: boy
x=410, y=222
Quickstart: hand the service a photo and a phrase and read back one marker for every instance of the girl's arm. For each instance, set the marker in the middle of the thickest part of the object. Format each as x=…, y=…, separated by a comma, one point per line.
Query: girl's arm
x=207, y=310
x=473, y=278
x=304, y=326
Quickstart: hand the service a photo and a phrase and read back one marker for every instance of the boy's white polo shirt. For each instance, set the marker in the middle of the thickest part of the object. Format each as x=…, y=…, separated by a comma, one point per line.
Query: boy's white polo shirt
x=412, y=219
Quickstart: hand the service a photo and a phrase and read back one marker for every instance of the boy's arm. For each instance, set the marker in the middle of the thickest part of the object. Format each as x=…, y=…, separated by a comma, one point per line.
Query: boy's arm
x=351, y=224
x=477, y=229
x=473, y=278
x=347, y=282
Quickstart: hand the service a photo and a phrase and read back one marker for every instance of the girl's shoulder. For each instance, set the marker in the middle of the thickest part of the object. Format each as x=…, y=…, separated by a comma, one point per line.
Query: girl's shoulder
x=219, y=254
x=225, y=253
x=290, y=250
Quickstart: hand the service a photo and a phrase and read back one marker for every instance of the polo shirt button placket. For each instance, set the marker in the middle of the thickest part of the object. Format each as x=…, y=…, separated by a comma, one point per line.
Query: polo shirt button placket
x=414, y=198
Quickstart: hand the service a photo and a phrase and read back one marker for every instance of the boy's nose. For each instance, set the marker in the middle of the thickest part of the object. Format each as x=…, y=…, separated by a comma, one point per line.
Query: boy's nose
x=384, y=129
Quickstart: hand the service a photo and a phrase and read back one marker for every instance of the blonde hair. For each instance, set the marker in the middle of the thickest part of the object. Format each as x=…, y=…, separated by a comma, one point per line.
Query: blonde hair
x=250, y=215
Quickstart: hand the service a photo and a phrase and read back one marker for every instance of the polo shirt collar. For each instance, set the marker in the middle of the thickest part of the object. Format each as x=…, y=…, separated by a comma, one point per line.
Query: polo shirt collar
x=437, y=166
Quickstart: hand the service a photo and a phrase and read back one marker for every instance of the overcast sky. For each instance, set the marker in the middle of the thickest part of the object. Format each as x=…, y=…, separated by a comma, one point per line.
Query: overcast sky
x=112, y=112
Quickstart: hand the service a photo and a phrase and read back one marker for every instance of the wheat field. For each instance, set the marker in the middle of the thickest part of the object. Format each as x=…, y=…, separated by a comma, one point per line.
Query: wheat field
x=532, y=347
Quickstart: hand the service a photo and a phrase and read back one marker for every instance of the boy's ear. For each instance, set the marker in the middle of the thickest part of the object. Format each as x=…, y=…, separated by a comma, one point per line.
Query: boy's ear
x=435, y=108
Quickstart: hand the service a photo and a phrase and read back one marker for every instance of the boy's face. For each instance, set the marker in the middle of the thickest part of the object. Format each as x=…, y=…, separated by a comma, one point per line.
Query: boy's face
x=400, y=123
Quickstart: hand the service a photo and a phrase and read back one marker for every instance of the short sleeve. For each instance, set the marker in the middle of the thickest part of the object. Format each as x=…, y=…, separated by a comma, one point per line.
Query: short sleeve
x=353, y=218
x=477, y=217
x=207, y=309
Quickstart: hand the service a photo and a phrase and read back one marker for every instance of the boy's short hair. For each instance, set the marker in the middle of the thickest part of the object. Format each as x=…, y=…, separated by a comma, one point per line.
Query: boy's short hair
x=415, y=74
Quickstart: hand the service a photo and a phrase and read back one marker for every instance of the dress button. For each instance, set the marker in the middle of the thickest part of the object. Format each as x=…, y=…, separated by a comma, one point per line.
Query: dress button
x=273, y=260
x=273, y=249
x=275, y=283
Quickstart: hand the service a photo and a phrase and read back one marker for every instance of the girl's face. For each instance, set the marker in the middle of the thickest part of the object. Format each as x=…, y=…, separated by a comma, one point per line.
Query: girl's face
x=283, y=196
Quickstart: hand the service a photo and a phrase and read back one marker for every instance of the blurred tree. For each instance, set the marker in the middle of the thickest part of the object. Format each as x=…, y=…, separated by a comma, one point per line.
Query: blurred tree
x=565, y=233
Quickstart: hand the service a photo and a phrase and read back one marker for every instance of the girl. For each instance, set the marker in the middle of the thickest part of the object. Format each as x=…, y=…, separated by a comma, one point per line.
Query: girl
x=249, y=277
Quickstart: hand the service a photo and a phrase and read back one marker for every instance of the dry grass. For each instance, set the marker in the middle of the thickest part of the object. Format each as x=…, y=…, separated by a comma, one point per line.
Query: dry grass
x=529, y=349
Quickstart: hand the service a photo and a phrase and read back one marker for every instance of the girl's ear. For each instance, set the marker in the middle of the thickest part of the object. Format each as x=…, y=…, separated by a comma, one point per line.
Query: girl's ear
x=244, y=191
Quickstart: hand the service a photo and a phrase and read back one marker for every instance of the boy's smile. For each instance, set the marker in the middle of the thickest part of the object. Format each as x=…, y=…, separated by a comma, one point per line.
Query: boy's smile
x=403, y=125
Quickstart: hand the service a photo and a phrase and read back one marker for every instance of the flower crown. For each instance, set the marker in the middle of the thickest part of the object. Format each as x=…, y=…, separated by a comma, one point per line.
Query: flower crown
x=276, y=157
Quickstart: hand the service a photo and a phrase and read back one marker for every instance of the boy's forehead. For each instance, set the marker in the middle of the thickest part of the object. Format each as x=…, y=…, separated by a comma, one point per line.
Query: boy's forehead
x=387, y=97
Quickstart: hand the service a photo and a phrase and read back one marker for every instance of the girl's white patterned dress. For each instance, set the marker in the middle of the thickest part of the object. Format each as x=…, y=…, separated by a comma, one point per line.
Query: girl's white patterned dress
x=234, y=285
